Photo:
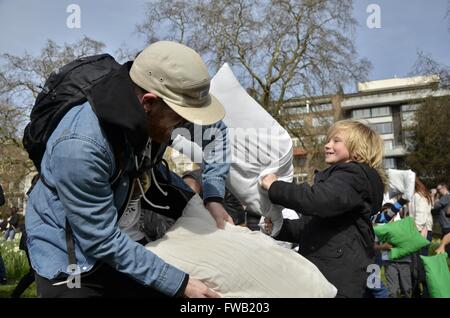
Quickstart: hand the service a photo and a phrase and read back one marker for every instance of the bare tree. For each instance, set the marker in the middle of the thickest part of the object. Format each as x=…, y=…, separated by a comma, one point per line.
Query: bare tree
x=280, y=50
x=426, y=65
x=21, y=79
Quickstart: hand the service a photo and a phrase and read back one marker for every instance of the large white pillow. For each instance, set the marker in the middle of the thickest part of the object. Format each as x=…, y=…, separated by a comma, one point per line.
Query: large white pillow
x=236, y=262
x=257, y=142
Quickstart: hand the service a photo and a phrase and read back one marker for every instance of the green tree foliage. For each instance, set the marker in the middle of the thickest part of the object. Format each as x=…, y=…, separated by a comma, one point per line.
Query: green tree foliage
x=430, y=141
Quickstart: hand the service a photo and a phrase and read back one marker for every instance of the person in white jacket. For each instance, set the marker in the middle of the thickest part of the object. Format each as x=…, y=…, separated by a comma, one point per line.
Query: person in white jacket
x=420, y=210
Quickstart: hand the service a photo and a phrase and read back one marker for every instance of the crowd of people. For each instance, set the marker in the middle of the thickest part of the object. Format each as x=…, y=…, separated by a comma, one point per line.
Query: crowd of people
x=104, y=159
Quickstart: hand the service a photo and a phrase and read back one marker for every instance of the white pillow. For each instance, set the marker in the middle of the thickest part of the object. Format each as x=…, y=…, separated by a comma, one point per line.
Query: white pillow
x=258, y=145
x=237, y=262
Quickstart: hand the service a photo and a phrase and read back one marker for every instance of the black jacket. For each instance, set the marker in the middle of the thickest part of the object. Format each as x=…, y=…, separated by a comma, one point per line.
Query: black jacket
x=334, y=231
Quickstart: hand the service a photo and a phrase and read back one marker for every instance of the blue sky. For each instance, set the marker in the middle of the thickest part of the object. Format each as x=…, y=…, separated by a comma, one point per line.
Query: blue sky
x=406, y=27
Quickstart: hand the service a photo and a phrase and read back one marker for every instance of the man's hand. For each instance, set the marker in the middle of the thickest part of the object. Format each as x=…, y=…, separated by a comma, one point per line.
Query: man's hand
x=219, y=214
x=196, y=289
x=267, y=181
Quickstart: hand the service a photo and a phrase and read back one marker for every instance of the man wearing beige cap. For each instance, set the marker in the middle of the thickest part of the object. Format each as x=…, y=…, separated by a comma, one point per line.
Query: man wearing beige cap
x=92, y=162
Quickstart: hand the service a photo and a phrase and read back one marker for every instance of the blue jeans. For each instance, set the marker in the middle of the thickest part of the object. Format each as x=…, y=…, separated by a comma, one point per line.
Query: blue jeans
x=381, y=292
x=10, y=233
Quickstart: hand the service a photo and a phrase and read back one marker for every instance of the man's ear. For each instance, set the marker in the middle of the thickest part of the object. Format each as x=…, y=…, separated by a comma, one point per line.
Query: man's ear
x=148, y=100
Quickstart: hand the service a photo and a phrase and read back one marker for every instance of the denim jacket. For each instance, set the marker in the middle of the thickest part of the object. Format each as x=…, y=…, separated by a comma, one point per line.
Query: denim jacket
x=78, y=164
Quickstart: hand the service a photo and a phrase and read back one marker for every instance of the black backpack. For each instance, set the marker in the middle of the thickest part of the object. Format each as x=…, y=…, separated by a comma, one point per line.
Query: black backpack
x=65, y=88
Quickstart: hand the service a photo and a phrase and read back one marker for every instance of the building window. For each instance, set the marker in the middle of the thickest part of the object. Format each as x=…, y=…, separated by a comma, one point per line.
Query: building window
x=296, y=123
x=389, y=163
x=321, y=139
x=322, y=121
x=382, y=128
x=388, y=144
x=380, y=111
x=371, y=112
x=361, y=113
x=321, y=107
x=408, y=117
x=294, y=110
x=410, y=107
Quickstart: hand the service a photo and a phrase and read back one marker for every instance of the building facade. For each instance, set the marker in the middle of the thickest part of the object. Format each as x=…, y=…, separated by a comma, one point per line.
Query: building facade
x=387, y=106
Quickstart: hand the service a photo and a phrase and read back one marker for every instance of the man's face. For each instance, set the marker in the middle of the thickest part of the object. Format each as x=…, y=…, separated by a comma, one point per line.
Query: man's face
x=162, y=120
x=442, y=190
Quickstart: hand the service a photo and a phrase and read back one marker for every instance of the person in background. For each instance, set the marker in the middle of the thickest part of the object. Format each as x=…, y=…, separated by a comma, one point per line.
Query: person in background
x=12, y=222
x=441, y=200
x=420, y=211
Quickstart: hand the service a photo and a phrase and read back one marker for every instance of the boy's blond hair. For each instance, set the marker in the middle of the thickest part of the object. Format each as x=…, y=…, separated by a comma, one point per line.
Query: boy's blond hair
x=363, y=144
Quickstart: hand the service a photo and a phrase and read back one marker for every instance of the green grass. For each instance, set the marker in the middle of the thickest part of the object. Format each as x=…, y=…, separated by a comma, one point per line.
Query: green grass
x=16, y=265
x=15, y=260
x=6, y=290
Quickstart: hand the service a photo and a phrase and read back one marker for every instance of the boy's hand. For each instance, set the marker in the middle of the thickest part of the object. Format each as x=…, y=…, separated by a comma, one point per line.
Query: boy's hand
x=196, y=289
x=267, y=181
x=268, y=225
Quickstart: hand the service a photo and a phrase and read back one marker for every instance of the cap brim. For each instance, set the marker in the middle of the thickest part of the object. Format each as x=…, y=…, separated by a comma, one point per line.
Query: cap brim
x=206, y=115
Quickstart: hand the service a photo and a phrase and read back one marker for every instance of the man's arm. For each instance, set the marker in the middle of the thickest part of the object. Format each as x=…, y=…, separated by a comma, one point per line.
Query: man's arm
x=215, y=169
x=440, y=203
x=445, y=241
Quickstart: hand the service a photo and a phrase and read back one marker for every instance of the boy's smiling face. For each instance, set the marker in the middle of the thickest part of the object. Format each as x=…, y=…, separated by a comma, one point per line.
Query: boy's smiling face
x=335, y=149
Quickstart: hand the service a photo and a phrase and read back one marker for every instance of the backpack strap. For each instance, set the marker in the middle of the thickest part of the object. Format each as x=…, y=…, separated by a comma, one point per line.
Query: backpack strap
x=70, y=244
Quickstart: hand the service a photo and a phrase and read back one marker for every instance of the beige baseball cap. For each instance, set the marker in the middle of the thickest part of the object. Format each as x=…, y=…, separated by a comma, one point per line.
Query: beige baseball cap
x=178, y=75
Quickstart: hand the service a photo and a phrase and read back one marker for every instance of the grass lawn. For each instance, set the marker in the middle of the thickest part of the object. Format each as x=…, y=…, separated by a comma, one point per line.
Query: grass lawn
x=6, y=290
